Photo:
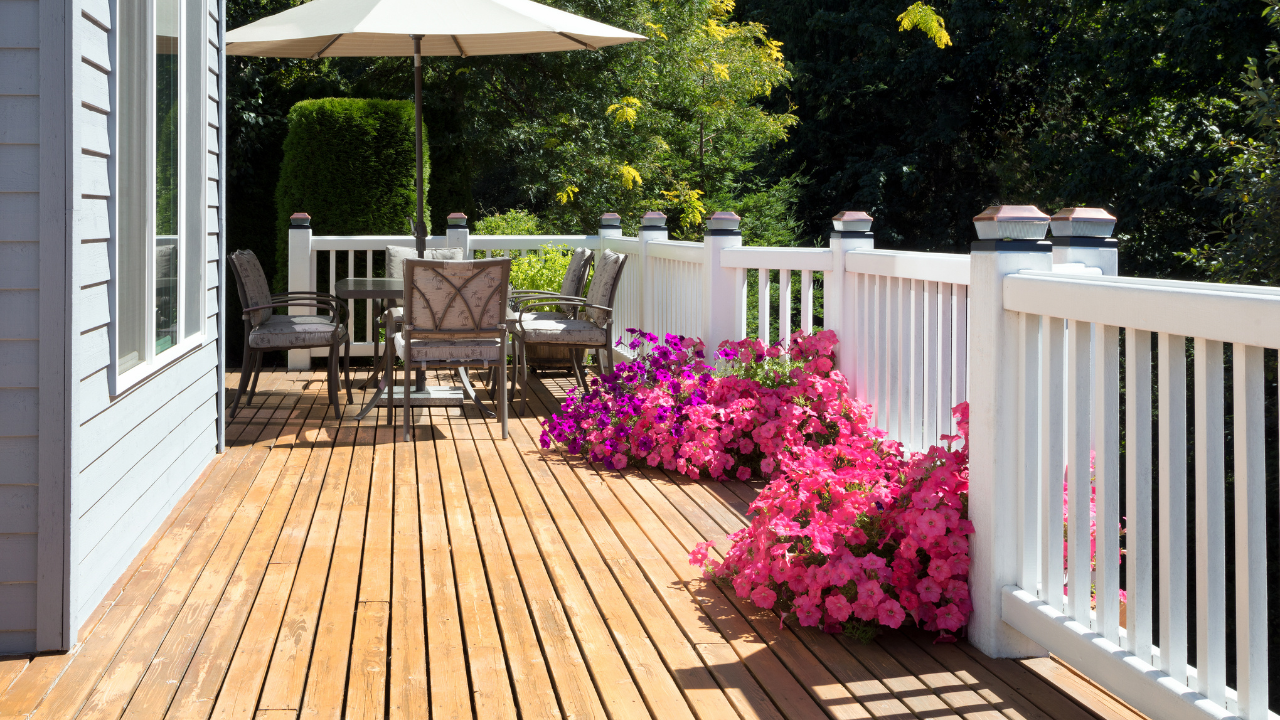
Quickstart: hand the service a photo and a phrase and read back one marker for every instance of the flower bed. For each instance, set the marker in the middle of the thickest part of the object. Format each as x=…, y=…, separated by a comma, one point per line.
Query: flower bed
x=850, y=534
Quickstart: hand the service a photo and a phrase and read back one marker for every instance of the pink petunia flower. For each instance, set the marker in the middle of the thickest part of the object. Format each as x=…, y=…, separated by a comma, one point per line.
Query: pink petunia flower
x=891, y=613
x=838, y=607
x=763, y=597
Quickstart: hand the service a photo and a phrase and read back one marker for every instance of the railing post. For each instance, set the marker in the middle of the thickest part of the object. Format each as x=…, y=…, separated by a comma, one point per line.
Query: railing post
x=653, y=226
x=852, y=232
x=300, y=275
x=724, y=290
x=457, y=234
x=1009, y=242
x=611, y=227
x=1083, y=235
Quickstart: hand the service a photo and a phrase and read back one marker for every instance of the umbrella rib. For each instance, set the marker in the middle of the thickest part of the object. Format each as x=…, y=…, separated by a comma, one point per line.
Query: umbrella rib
x=327, y=46
x=567, y=36
x=458, y=45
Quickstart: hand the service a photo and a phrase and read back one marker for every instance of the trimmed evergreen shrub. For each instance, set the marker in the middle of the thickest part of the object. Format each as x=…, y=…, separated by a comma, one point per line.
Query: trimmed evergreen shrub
x=349, y=163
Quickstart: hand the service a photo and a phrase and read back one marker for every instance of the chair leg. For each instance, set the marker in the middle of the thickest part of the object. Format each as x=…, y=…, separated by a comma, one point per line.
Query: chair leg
x=408, y=411
x=512, y=394
x=257, y=371
x=333, y=380
x=389, y=377
x=346, y=368
x=577, y=371
x=246, y=369
x=600, y=361
x=525, y=389
x=502, y=389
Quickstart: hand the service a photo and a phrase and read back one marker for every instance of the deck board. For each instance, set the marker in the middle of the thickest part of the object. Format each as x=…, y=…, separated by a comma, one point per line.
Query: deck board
x=324, y=568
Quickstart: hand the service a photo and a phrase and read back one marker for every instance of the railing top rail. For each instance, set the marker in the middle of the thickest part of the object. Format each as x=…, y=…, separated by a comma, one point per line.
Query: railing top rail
x=776, y=258
x=681, y=250
x=530, y=242
x=932, y=267
x=1227, y=313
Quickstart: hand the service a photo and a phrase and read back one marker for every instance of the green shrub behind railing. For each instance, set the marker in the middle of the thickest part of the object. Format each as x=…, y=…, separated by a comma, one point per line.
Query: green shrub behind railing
x=349, y=163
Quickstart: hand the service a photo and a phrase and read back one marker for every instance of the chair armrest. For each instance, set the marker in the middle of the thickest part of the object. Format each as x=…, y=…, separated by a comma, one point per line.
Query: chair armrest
x=571, y=302
x=547, y=299
x=339, y=307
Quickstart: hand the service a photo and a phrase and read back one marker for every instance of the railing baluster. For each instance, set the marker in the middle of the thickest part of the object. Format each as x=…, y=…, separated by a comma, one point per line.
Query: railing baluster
x=1211, y=571
x=867, y=336
x=882, y=352
x=961, y=382
x=806, y=300
x=1051, y=462
x=1137, y=404
x=931, y=365
x=368, y=304
x=762, y=284
x=895, y=359
x=945, y=357
x=1251, y=533
x=1029, y=421
x=918, y=347
x=333, y=270
x=1173, y=505
x=784, y=306
x=1106, y=443
x=1078, y=570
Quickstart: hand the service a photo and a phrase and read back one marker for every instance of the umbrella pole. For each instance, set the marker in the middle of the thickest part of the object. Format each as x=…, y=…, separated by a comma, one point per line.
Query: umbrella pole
x=420, y=227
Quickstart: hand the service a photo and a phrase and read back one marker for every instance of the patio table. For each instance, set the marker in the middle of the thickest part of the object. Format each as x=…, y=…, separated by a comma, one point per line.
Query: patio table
x=382, y=290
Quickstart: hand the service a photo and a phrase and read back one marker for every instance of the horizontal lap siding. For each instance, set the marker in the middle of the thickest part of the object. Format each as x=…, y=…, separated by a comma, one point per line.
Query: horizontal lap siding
x=136, y=453
x=19, y=326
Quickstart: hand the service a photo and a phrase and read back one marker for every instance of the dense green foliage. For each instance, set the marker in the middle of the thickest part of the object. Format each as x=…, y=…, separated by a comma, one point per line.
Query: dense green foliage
x=1051, y=102
x=1244, y=249
x=349, y=163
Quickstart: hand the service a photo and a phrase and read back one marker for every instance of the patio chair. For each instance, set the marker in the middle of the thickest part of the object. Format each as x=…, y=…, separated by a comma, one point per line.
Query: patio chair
x=264, y=330
x=454, y=317
x=590, y=328
x=390, y=319
x=573, y=284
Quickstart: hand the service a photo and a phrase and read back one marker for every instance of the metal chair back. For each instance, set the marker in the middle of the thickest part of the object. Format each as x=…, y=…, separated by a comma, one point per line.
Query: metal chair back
x=457, y=298
x=251, y=282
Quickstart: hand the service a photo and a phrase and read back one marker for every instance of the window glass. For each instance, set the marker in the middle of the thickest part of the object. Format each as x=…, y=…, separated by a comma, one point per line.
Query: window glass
x=168, y=110
x=133, y=202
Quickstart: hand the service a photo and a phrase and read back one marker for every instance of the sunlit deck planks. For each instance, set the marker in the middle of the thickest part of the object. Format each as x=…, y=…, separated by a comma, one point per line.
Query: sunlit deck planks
x=323, y=568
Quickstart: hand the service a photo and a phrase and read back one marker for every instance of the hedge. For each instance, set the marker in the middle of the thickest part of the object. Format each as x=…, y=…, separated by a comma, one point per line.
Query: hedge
x=349, y=163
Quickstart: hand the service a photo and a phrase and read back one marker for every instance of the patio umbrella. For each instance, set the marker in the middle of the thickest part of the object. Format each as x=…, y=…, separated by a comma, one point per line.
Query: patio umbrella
x=400, y=28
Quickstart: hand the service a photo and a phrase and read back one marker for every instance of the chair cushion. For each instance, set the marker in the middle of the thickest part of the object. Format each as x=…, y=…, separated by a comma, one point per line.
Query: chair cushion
x=397, y=254
x=566, y=331
x=295, y=331
x=484, y=349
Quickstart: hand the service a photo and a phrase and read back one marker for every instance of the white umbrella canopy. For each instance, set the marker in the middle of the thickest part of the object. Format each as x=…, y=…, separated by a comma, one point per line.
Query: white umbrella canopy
x=361, y=28
x=397, y=28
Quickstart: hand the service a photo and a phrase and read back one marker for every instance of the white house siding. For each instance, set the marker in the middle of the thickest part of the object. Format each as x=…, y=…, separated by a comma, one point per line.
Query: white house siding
x=19, y=319
x=134, y=454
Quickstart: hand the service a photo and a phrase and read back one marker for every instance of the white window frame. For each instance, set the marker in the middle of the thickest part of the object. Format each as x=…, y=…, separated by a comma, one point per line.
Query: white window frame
x=190, y=49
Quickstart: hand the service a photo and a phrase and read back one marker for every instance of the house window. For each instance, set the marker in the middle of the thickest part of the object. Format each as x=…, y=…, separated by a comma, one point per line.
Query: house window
x=159, y=261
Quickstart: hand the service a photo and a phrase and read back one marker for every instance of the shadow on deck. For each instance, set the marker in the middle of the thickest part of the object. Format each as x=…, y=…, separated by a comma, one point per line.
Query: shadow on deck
x=323, y=568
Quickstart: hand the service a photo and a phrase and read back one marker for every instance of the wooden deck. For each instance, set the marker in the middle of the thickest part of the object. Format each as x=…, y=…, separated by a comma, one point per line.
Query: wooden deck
x=325, y=569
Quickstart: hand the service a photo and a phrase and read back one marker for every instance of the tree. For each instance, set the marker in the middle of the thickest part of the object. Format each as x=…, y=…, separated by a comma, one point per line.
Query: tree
x=1052, y=102
x=1248, y=185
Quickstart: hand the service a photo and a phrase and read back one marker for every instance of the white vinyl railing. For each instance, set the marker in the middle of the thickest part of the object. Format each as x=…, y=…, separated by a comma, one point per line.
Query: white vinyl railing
x=1073, y=334
x=910, y=338
x=318, y=262
x=1047, y=347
